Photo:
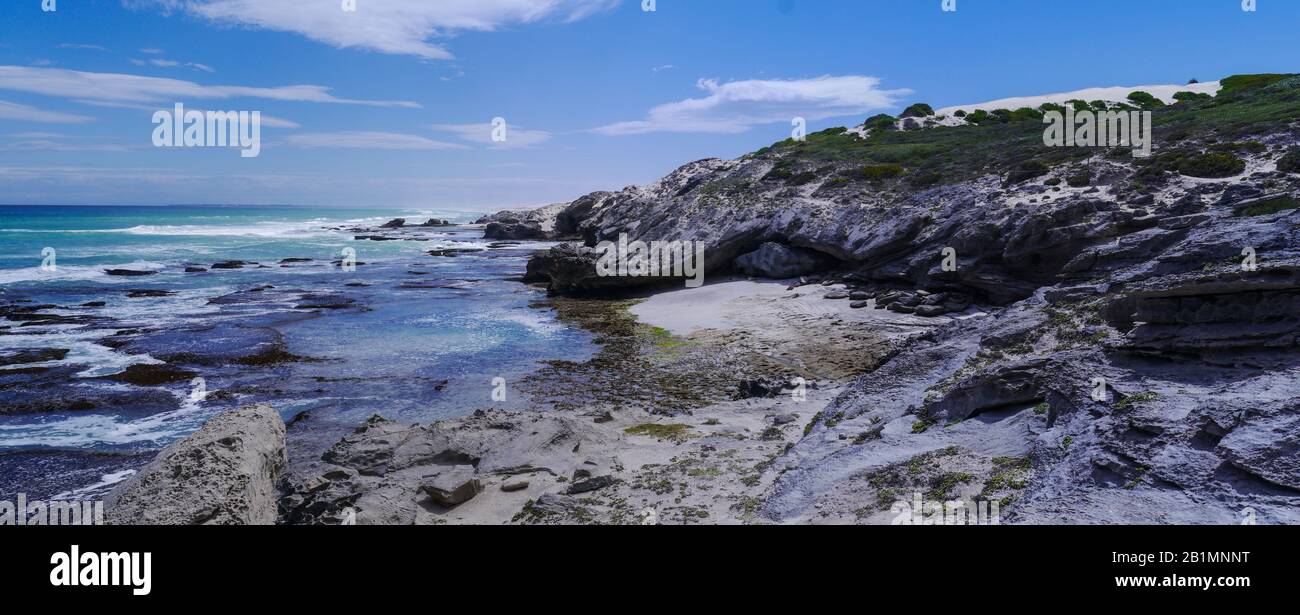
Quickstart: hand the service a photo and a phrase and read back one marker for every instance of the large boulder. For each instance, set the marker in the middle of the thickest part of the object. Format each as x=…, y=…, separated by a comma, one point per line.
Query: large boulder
x=223, y=474
x=774, y=260
x=453, y=487
x=540, y=223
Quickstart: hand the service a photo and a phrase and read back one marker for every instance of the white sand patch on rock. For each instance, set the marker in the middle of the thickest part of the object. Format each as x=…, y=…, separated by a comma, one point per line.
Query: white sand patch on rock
x=1111, y=94
x=761, y=307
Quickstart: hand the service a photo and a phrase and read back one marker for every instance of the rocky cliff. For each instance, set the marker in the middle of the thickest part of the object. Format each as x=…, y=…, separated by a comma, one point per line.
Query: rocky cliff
x=1129, y=326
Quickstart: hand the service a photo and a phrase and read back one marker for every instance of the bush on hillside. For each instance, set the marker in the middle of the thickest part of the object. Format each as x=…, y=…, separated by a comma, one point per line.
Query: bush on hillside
x=918, y=110
x=1145, y=100
x=880, y=172
x=1026, y=171
x=1290, y=161
x=1183, y=97
x=1237, y=83
x=1214, y=165
x=883, y=121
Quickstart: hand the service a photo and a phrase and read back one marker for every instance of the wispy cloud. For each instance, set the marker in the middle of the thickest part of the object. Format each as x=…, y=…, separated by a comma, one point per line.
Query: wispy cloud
x=516, y=138
x=737, y=106
x=368, y=140
x=401, y=27
x=82, y=46
x=119, y=87
x=59, y=146
x=268, y=121
x=165, y=63
x=659, y=69
x=15, y=111
x=36, y=135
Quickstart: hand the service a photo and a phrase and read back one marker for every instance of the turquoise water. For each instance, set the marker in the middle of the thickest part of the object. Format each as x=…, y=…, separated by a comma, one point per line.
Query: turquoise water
x=407, y=335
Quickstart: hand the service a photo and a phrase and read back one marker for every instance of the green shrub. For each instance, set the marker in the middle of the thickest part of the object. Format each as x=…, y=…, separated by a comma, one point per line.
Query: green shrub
x=882, y=121
x=1190, y=96
x=1238, y=83
x=918, y=110
x=1271, y=206
x=925, y=180
x=1253, y=147
x=1079, y=179
x=1026, y=114
x=1290, y=161
x=799, y=179
x=880, y=172
x=1045, y=107
x=980, y=116
x=1212, y=165
x=1144, y=100
x=1026, y=171
x=778, y=173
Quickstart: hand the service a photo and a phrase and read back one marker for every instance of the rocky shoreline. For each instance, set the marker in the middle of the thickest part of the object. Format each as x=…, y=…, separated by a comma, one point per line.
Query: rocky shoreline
x=1075, y=335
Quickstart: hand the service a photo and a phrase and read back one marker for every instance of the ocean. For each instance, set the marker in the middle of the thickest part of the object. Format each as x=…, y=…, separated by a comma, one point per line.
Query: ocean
x=98, y=372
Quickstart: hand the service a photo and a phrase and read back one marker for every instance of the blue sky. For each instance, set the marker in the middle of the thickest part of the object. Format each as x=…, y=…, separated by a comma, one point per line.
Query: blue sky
x=598, y=94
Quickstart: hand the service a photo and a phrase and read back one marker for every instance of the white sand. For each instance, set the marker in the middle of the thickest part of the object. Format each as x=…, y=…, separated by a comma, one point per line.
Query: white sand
x=1112, y=94
x=761, y=306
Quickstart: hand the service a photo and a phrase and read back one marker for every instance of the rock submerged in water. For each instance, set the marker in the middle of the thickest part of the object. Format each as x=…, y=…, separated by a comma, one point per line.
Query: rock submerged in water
x=129, y=272
x=223, y=474
x=152, y=374
x=35, y=355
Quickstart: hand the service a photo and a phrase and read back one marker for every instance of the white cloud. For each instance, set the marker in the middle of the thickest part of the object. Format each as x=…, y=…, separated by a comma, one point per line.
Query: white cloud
x=664, y=67
x=401, y=27
x=82, y=46
x=15, y=111
x=516, y=138
x=165, y=63
x=368, y=140
x=151, y=51
x=36, y=135
x=737, y=106
x=268, y=121
x=119, y=87
x=58, y=146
